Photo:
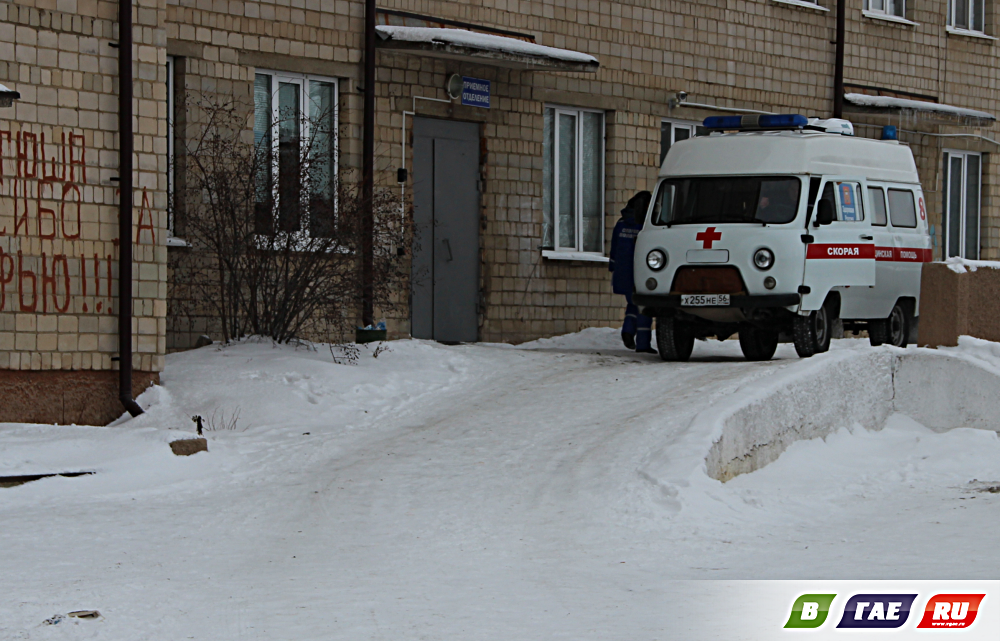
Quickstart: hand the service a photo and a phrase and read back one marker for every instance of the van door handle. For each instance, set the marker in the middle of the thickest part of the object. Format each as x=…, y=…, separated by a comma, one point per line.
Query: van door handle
x=447, y=246
x=866, y=237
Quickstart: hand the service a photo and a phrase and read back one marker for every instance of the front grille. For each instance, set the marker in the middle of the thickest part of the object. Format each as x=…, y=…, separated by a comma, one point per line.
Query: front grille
x=708, y=280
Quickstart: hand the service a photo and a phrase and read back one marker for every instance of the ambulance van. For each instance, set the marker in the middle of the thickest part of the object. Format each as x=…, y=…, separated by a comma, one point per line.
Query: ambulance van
x=781, y=228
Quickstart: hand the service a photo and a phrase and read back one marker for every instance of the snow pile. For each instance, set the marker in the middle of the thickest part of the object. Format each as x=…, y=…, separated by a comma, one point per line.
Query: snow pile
x=888, y=102
x=554, y=489
x=964, y=265
x=488, y=42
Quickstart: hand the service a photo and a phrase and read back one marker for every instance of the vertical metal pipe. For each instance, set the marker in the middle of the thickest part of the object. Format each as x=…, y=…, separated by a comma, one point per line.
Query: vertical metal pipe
x=125, y=148
x=838, y=67
x=368, y=172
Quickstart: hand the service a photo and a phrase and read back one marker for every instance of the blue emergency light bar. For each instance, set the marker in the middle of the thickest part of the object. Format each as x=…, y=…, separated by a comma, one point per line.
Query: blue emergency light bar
x=757, y=122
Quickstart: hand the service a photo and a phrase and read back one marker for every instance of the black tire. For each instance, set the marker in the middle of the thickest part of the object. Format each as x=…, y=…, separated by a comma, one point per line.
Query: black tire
x=757, y=344
x=674, y=341
x=811, y=334
x=894, y=330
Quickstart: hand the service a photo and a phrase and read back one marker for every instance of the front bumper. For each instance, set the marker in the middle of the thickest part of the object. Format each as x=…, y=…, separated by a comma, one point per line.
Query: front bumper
x=736, y=301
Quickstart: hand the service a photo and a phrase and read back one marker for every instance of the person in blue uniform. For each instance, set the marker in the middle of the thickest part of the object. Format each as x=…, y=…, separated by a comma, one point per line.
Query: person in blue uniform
x=637, y=330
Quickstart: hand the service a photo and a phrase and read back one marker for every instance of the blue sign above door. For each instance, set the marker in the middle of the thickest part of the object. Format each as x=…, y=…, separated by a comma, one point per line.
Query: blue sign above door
x=475, y=92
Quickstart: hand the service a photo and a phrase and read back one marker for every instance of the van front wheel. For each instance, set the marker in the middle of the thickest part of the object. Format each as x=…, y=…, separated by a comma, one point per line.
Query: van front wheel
x=673, y=340
x=811, y=334
x=757, y=344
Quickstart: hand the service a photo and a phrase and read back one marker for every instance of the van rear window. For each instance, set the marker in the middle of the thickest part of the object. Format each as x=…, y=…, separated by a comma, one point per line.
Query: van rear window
x=748, y=199
x=902, y=213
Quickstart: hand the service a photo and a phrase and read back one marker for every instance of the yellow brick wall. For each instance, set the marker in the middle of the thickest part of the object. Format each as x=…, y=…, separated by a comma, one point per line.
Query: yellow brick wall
x=762, y=54
x=58, y=204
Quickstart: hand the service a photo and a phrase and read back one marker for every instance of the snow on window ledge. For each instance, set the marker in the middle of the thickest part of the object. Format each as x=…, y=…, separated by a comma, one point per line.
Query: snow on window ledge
x=955, y=31
x=874, y=15
x=564, y=255
x=174, y=241
x=804, y=4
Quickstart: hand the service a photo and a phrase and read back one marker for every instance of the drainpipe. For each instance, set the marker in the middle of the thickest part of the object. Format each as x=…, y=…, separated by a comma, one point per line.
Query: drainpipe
x=838, y=66
x=368, y=172
x=125, y=147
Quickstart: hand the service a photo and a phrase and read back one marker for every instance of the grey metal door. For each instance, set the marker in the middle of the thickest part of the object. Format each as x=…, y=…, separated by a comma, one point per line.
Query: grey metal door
x=445, y=278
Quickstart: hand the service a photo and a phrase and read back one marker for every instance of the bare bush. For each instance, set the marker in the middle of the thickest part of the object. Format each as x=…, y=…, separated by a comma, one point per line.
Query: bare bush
x=281, y=230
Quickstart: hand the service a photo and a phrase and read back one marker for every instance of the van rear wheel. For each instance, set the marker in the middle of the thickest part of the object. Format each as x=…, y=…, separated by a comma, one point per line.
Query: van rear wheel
x=673, y=340
x=757, y=344
x=811, y=334
x=893, y=330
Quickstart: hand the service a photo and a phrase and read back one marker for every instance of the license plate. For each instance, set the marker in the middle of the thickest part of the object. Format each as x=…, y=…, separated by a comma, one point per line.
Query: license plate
x=704, y=300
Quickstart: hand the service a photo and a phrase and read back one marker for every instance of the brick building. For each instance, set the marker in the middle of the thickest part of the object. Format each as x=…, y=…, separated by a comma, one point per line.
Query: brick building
x=541, y=172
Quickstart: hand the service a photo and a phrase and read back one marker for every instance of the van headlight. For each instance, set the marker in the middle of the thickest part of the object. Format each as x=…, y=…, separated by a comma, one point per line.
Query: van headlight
x=763, y=258
x=656, y=260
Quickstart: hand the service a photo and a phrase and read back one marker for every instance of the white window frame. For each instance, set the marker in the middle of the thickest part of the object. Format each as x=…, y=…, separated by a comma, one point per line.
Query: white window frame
x=691, y=126
x=952, y=25
x=576, y=112
x=963, y=214
x=887, y=10
x=302, y=80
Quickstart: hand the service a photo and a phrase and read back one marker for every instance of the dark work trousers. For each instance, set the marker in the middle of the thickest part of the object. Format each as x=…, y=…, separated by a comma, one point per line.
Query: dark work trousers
x=639, y=325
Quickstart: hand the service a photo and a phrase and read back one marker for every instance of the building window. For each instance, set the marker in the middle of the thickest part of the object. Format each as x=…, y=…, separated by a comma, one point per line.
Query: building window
x=962, y=182
x=573, y=180
x=895, y=8
x=171, y=163
x=295, y=134
x=967, y=15
x=672, y=131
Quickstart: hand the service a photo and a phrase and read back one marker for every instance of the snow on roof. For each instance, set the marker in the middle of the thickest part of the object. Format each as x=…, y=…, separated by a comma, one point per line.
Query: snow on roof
x=482, y=41
x=888, y=102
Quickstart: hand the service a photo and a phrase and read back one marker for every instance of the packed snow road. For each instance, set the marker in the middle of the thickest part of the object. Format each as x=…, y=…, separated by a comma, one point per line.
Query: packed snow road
x=467, y=492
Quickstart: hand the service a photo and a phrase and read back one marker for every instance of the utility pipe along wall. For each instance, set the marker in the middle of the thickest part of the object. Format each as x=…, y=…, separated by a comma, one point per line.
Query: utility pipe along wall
x=125, y=148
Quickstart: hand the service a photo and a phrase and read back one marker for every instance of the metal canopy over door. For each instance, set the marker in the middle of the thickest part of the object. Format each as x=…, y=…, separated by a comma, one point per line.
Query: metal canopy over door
x=842, y=252
x=445, y=278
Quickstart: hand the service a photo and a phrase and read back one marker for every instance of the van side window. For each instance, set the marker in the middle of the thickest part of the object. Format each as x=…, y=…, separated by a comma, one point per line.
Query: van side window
x=828, y=196
x=851, y=209
x=877, y=196
x=902, y=211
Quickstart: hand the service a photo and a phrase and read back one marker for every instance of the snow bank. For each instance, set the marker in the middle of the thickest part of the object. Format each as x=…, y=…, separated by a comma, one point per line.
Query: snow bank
x=888, y=102
x=858, y=389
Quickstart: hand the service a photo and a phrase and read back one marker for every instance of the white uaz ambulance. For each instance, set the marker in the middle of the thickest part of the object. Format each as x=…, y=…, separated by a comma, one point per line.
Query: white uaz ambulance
x=777, y=230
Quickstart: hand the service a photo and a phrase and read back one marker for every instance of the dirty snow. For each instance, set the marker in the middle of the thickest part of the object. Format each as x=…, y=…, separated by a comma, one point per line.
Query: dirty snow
x=463, y=492
x=464, y=38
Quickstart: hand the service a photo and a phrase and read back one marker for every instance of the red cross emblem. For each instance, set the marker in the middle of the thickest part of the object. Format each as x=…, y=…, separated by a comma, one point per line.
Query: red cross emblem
x=708, y=237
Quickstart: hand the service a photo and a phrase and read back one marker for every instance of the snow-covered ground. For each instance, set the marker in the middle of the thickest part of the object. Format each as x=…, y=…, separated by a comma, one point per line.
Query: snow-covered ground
x=463, y=492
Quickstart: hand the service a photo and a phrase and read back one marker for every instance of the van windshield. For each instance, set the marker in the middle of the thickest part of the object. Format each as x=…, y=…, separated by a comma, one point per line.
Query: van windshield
x=746, y=199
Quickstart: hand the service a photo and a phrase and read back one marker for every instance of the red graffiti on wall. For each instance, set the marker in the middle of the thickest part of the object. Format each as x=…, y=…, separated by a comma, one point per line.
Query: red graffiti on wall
x=45, y=177
x=46, y=183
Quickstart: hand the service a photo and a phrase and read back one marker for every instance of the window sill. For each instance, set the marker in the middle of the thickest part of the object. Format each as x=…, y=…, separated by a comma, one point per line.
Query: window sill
x=888, y=18
x=954, y=31
x=581, y=256
x=802, y=4
x=173, y=241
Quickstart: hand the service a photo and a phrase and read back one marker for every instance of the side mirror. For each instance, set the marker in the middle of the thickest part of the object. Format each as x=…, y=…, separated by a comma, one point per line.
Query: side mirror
x=824, y=213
